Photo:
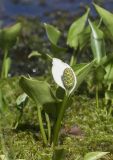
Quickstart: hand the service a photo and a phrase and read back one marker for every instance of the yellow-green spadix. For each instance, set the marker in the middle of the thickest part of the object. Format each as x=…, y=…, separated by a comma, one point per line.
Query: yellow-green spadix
x=63, y=75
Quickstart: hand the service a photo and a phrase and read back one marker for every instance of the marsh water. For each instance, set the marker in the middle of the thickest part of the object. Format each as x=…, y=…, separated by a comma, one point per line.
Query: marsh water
x=39, y=11
x=10, y=9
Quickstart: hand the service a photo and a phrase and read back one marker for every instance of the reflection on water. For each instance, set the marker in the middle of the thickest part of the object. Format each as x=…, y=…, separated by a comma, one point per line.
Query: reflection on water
x=42, y=8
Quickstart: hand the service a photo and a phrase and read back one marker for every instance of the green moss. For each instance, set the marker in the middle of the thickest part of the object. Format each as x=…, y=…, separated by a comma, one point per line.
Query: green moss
x=26, y=142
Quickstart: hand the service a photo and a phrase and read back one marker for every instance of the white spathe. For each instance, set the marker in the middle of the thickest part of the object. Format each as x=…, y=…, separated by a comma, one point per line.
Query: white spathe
x=58, y=68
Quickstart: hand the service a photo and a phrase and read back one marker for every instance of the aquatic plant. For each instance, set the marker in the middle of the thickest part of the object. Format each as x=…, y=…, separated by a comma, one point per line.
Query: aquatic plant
x=52, y=101
x=42, y=93
x=8, y=38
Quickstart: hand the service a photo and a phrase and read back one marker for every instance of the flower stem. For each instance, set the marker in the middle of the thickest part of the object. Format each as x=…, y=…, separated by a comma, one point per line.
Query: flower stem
x=3, y=74
x=18, y=120
x=41, y=125
x=48, y=127
x=59, y=119
x=73, y=58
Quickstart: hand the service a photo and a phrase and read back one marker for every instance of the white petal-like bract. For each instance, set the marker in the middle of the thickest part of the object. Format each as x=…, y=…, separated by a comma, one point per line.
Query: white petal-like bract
x=58, y=70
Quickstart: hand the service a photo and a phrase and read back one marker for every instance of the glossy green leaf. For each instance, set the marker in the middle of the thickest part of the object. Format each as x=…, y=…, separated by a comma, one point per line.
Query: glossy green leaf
x=94, y=155
x=75, y=29
x=53, y=33
x=106, y=16
x=39, y=91
x=83, y=72
x=97, y=42
x=9, y=35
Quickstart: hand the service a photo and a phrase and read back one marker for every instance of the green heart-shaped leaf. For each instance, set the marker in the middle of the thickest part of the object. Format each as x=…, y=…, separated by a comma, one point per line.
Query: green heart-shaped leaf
x=39, y=91
x=106, y=16
x=8, y=36
x=75, y=29
x=53, y=33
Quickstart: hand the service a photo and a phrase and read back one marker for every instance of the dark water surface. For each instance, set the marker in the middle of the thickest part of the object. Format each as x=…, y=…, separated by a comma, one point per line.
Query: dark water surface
x=9, y=9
